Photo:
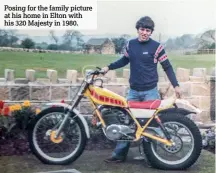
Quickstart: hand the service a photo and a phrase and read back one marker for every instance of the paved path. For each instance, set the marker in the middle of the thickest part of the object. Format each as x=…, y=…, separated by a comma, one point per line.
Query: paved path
x=92, y=162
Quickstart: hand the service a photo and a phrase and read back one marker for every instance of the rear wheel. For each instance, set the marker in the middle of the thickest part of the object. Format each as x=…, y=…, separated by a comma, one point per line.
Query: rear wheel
x=185, y=153
x=63, y=150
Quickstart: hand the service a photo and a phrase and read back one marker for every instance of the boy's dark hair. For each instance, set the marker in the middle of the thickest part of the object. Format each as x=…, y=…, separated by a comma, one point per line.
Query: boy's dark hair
x=145, y=22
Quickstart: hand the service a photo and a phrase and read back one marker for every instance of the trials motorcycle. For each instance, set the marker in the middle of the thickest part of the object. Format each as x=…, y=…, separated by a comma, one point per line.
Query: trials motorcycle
x=169, y=138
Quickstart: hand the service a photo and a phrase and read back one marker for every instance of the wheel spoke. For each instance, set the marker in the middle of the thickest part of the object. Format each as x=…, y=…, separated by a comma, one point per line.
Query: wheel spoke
x=181, y=151
x=70, y=135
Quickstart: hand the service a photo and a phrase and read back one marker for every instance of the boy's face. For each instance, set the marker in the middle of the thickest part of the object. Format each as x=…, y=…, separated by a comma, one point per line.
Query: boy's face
x=144, y=34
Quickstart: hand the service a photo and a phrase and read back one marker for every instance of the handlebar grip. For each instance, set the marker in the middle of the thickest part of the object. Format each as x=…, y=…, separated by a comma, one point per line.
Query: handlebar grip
x=97, y=72
x=102, y=72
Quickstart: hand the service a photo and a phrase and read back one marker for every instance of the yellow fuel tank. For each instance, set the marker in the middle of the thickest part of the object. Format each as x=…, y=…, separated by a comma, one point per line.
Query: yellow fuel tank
x=104, y=96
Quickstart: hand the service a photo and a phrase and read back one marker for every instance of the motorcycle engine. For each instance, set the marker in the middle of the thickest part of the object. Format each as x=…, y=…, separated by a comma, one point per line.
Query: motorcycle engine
x=119, y=123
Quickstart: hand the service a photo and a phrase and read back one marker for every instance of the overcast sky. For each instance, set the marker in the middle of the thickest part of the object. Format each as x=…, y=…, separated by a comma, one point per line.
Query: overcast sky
x=172, y=17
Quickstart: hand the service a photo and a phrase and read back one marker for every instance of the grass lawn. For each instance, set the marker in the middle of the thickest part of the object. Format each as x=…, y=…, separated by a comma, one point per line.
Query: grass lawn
x=19, y=61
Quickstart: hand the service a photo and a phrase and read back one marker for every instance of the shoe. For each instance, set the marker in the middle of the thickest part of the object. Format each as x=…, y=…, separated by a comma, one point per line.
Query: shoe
x=113, y=160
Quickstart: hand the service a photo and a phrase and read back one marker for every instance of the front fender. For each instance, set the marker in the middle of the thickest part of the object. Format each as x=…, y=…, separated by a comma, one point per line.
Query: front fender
x=76, y=112
x=176, y=110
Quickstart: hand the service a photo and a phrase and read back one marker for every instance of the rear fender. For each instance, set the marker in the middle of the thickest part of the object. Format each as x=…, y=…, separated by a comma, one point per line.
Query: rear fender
x=176, y=110
x=67, y=106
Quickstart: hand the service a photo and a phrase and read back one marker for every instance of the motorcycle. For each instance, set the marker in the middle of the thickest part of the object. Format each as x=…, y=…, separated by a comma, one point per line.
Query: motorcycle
x=169, y=138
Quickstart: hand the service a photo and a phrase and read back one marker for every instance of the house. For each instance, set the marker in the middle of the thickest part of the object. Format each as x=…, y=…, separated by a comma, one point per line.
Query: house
x=100, y=46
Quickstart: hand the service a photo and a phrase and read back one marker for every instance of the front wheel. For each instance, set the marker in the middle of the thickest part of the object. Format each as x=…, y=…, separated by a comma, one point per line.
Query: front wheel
x=187, y=138
x=62, y=150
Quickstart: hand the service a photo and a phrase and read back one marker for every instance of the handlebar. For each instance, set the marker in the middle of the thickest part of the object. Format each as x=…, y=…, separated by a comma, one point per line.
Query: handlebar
x=97, y=72
x=94, y=73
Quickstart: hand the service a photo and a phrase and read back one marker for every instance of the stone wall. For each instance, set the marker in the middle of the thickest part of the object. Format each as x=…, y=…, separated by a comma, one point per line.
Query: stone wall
x=107, y=48
x=197, y=87
x=11, y=49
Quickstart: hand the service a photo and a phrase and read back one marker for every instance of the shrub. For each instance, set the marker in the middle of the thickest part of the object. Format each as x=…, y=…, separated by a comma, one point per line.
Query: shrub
x=17, y=115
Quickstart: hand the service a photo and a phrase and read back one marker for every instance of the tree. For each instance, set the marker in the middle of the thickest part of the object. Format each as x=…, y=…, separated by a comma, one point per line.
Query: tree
x=42, y=45
x=212, y=46
x=64, y=46
x=187, y=40
x=69, y=36
x=52, y=47
x=8, y=37
x=80, y=43
x=73, y=39
x=179, y=42
x=207, y=40
x=28, y=43
x=125, y=36
x=120, y=43
x=210, y=35
x=170, y=44
x=54, y=37
x=13, y=39
x=4, y=39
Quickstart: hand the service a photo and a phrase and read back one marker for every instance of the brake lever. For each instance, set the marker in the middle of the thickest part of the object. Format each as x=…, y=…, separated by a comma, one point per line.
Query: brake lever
x=98, y=68
x=99, y=80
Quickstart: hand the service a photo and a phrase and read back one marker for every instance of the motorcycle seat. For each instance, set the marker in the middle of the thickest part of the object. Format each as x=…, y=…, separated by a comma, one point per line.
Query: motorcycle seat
x=150, y=104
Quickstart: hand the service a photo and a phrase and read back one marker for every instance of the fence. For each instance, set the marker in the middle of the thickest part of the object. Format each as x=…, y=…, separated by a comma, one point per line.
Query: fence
x=196, y=88
x=193, y=51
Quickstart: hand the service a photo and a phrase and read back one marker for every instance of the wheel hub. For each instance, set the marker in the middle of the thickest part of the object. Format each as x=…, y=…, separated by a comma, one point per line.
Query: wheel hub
x=54, y=139
x=174, y=148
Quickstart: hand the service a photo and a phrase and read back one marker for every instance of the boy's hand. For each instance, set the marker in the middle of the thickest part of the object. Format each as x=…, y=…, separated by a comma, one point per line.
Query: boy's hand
x=105, y=69
x=178, y=92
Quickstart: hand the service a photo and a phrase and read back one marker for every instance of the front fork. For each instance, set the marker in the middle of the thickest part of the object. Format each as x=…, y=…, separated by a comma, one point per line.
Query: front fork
x=58, y=131
x=68, y=112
